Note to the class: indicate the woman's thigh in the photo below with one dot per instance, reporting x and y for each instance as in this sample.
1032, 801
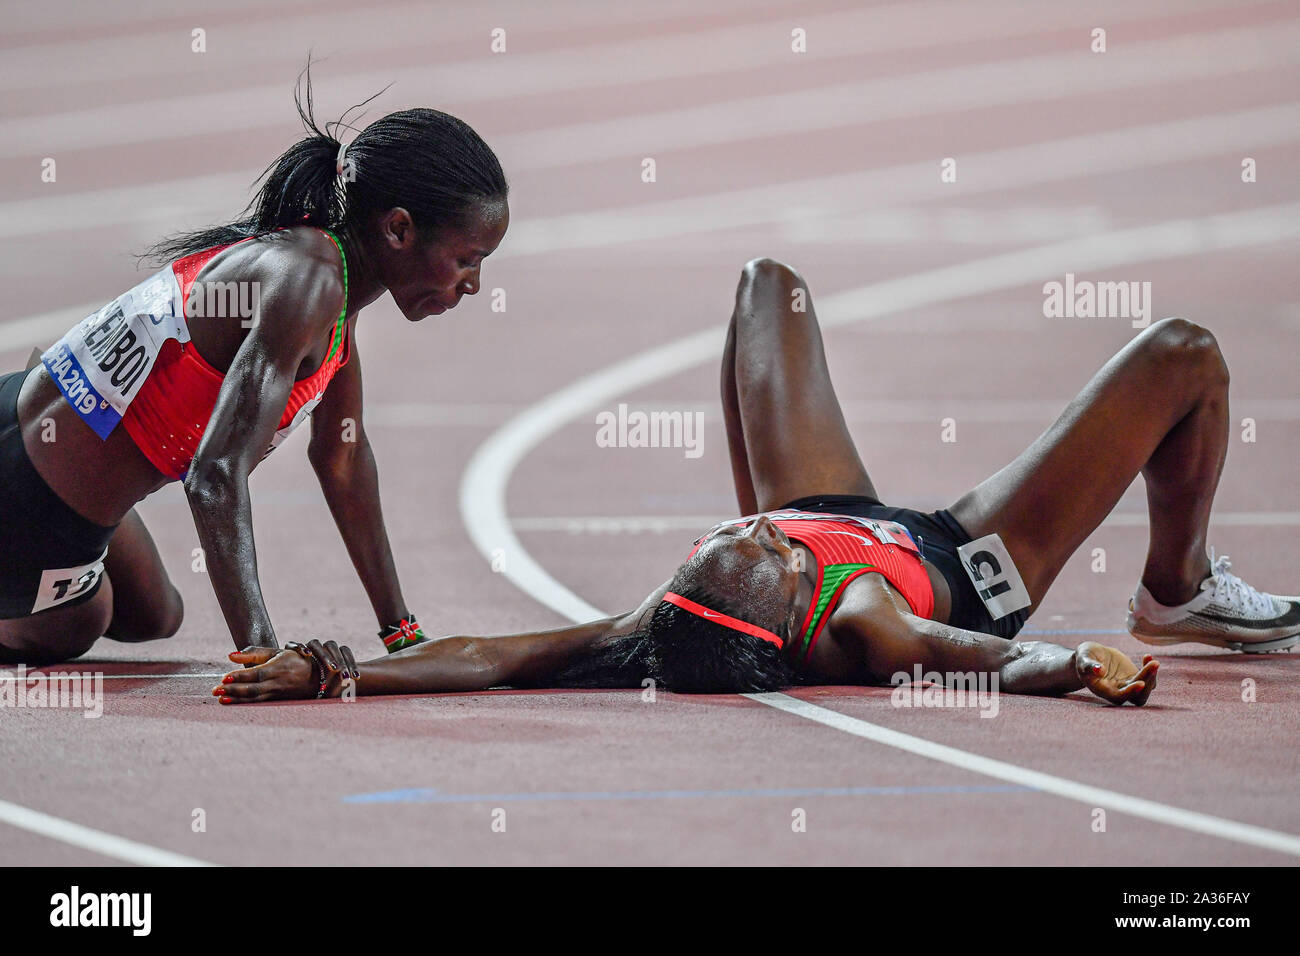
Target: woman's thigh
796, 440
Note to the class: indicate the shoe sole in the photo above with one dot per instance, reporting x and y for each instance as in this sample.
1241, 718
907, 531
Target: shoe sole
1251, 647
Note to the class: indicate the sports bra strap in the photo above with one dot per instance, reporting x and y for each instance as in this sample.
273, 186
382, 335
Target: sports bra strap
340, 326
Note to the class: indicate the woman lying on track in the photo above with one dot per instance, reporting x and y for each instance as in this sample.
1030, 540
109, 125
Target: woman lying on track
824, 584
171, 382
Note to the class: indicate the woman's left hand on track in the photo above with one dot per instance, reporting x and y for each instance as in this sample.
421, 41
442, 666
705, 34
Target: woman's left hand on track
1114, 678
289, 674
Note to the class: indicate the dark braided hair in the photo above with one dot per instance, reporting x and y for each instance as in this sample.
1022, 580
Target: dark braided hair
430, 163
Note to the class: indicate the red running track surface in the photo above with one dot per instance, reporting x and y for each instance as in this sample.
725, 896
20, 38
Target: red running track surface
827, 159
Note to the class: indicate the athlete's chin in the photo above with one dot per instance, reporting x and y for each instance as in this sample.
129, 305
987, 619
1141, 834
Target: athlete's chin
421, 311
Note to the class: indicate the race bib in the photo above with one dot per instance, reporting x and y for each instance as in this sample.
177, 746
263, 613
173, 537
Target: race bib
63, 584
100, 364
989, 566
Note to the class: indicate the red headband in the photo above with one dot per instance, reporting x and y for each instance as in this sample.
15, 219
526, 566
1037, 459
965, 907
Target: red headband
717, 617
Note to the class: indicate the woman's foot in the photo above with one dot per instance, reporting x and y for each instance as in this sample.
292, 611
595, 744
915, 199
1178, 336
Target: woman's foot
1227, 612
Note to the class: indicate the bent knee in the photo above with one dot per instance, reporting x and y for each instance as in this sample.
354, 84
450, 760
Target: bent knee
154, 623
174, 615
167, 619
764, 271
1180, 337
1181, 342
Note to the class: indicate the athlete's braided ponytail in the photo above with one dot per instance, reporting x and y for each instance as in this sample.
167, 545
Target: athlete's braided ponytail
430, 163
301, 187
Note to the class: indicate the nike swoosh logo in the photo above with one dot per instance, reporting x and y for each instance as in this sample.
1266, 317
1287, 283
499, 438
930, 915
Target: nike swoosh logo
1291, 617
867, 541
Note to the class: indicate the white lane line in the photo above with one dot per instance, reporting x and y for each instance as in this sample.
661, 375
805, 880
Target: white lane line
1046, 782
890, 411
163, 203
803, 200
247, 46
1065, 77
1006, 170
485, 479
741, 46
663, 524
28, 18
88, 838
798, 204
8, 677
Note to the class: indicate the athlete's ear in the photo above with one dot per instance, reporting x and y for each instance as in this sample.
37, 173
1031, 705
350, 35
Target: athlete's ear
398, 229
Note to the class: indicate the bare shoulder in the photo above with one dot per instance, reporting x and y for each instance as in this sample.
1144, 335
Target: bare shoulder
298, 274
868, 597
304, 266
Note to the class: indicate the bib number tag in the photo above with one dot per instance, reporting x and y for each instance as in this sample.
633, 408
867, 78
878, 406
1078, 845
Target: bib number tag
63, 584
302, 415
100, 363
890, 532
989, 566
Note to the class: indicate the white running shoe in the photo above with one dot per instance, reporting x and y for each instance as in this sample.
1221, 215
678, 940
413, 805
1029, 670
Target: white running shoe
1227, 612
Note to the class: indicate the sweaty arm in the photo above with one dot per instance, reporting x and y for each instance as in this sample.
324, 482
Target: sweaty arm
890, 639
442, 666
345, 466
294, 315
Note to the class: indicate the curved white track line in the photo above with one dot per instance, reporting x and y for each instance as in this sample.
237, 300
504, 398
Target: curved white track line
105, 844
483, 485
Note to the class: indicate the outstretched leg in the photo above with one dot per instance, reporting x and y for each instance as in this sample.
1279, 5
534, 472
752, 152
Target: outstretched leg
1159, 408
785, 430
135, 602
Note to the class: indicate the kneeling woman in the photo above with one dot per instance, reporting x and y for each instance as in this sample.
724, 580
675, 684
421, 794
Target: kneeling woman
161, 385
822, 583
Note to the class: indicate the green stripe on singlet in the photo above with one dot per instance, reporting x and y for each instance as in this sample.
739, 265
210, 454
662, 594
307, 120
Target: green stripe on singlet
833, 576
340, 327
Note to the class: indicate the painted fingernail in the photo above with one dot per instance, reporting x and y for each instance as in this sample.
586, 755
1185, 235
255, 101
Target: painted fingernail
225, 700
228, 679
